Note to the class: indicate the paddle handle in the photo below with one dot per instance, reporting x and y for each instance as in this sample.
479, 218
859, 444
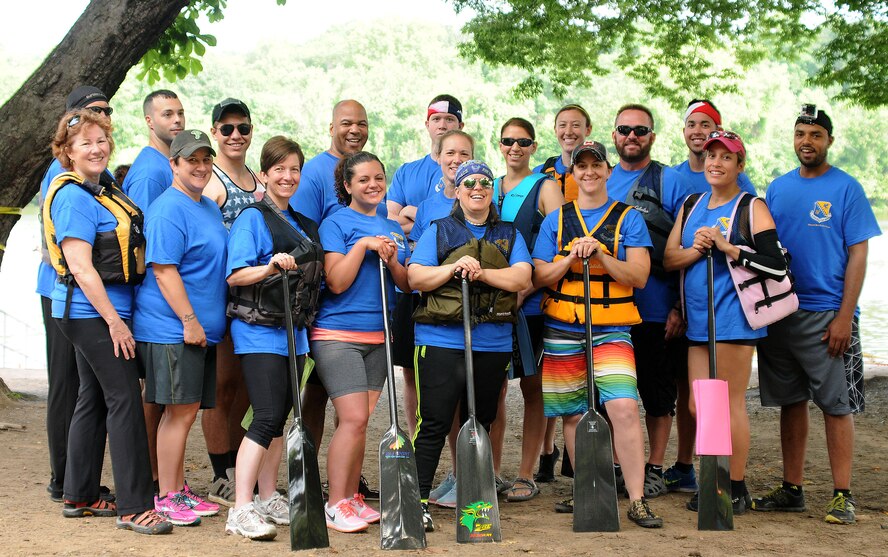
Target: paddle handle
386, 326
291, 343
590, 364
711, 312
467, 331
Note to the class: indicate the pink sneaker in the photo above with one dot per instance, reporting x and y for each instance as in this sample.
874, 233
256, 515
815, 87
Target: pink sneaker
197, 504
342, 518
363, 510
176, 510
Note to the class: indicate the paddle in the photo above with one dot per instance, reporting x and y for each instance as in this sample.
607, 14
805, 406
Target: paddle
399, 499
477, 510
715, 511
308, 525
595, 488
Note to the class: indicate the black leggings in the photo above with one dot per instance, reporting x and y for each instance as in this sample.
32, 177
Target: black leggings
271, 393
109, 395
440, 387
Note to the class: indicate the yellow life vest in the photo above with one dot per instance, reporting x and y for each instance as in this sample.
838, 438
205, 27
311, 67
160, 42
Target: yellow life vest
613, 304
568, 184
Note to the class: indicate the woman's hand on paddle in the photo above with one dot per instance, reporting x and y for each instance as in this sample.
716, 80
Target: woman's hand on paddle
383, 245
467, 267
707, 237
281, 262
122, 337
585, 248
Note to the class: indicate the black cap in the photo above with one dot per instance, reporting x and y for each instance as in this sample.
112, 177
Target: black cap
819, 119
229, 105
593, 147
189, 141
82, 96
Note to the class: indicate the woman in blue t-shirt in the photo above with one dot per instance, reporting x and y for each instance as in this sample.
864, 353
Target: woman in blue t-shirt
180, 315
707, 226
347, 339
472, 229
94, 315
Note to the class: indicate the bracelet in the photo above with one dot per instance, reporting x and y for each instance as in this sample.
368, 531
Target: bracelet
188, 317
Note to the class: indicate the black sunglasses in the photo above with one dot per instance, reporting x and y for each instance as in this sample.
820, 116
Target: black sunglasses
640, 131
470, 183
522, 142
106, 110
228, 129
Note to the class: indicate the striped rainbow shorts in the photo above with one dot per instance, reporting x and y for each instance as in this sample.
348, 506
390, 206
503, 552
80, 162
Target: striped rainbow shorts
564, 370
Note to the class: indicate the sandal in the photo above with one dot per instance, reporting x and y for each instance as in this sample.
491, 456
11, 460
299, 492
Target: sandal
147, 522
99, 507
522, 490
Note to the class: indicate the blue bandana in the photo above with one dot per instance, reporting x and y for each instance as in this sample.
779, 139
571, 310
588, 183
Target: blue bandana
472, 167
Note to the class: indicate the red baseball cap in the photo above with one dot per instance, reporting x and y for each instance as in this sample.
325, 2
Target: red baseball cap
730, 140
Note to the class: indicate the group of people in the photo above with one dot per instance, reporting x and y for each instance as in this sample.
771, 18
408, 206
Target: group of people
163, 296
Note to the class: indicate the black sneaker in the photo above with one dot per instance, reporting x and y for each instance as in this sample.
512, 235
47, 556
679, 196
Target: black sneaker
641, 514
427, 521
740, 504
546, 473
780, 499
567, 469
364, 489
841, 510
694, 502
105, 494
566, 506
56, 495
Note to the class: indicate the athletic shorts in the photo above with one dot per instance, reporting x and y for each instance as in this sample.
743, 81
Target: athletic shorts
535, 325
402, 329
564, 370
794, 365
349, 367
179, 373
659, 365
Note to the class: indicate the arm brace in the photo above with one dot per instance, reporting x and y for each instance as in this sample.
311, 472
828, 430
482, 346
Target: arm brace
769, 260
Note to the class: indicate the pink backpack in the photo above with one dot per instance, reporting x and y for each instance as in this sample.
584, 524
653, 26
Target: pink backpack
764, 300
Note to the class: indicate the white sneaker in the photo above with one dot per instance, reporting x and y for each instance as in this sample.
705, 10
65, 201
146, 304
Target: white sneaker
363, 510
276, 509
245, 521
342, 518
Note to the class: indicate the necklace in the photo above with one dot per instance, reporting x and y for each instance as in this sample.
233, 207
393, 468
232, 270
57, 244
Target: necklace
476, 223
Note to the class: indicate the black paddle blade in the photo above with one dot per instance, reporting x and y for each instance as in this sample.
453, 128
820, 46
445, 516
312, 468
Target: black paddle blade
477, 511
308, 525
399, 502
595, 488
715, 511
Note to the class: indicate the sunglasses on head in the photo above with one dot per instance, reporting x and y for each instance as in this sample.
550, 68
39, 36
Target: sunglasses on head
718, 134
640, 131
106, 110
73, 121
228, 129
470, 183
522, 142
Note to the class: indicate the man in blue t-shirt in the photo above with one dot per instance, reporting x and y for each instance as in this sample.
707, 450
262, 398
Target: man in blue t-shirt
825, 221
150, 174
659, 341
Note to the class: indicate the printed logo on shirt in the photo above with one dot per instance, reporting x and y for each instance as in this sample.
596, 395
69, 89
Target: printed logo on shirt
821, 211
723, 224
399, 240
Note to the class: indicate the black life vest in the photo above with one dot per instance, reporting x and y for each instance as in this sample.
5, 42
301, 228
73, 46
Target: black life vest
646, 195
493, 250
262, 303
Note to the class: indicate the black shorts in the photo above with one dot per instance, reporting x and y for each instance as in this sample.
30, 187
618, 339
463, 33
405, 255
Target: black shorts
659, 365
402, 329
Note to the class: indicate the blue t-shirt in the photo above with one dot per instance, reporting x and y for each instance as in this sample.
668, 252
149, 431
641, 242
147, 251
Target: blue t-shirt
76, 214
817, 220
189, 235
697, 183
435, 207
316, 196
486, 337
359, 308
415, 182
249, 245
633, 232
658, 297
730, 322
148, 177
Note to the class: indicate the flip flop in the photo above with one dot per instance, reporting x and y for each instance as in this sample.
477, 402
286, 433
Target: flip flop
514, 494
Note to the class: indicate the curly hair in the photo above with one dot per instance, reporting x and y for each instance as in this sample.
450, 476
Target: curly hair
345, 171
71, 124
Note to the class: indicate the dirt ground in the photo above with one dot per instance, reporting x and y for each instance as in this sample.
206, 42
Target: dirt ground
31, 524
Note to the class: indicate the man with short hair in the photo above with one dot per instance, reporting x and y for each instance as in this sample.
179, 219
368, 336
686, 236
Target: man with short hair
825, 221
150, 174
660, 346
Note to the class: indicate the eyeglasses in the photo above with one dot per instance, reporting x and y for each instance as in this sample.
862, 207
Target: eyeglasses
106, 110
470, 183
228, 129
718, 134
522, 142
640, 131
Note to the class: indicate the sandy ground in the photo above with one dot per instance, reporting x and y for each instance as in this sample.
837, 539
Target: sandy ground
30, 524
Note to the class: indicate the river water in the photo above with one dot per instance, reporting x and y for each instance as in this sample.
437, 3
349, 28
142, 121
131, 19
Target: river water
21, 326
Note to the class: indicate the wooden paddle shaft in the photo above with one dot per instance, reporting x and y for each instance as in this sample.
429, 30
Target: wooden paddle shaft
711, 313
291, 344
590, 364
467, 331
393, 404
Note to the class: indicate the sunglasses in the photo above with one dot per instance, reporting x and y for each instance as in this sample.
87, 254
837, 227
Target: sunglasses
523, 142
718, 134
470, 183
106, 110
73, 121
228, 129
640, 131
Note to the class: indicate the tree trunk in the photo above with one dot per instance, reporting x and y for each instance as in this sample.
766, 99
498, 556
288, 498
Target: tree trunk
103, 44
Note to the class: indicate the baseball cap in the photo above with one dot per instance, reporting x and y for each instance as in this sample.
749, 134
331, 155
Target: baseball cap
593, 147
228, 105
82, 96
189, 141
730, 140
